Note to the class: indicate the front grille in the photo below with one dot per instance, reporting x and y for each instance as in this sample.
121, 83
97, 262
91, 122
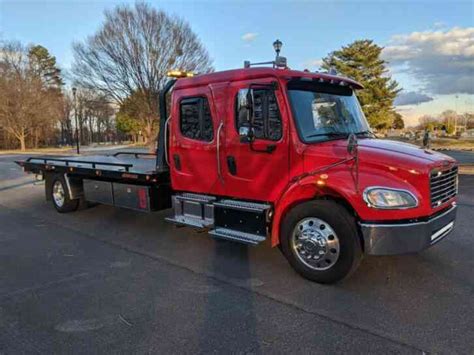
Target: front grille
443, 185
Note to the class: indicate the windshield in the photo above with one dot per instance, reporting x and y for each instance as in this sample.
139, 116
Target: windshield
324, 112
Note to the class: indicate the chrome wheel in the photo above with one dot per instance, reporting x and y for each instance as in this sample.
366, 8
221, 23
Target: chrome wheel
58, 193
315, 243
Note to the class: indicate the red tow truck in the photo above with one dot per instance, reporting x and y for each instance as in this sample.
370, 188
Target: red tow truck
270, 153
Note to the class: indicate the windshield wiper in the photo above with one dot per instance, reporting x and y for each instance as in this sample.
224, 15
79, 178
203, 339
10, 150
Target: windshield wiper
329, 134
366, 133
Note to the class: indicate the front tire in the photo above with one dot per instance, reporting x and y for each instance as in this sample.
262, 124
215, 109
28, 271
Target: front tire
320, 241
60, 197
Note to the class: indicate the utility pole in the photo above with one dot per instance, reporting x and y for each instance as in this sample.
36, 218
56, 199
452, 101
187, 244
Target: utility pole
456, 117
75, 119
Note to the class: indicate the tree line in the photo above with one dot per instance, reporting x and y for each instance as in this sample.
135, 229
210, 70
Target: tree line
37, 110
118, 72
448, 121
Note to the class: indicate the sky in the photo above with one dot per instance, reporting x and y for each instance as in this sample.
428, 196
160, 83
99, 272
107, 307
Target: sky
429, 44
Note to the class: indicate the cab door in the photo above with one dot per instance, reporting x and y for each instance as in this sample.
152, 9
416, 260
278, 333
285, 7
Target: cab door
192, 147
258, 170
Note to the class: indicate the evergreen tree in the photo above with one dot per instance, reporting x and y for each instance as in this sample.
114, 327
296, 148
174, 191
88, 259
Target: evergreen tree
134, 115
361, 61
44, 65
398, 122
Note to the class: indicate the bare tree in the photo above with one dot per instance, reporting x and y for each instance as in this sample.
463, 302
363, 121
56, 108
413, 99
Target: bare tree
27, 107
132, 52
94, 109
66, 120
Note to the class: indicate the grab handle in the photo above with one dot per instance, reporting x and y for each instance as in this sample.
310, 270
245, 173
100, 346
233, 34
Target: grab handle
218, 150
166, 140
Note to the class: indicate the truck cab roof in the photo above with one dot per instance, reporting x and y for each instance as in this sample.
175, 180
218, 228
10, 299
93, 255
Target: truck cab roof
262, 72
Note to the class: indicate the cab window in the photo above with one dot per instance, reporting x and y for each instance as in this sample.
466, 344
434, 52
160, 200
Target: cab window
267, 119
195, 119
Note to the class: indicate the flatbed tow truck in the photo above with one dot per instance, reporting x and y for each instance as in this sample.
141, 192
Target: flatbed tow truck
270, 153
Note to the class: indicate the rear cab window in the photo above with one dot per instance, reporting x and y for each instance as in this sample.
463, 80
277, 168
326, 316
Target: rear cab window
195, 120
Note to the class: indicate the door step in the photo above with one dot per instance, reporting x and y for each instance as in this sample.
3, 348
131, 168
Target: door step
237, 236
239, 221
192, 210
188, 196
242, 205
189, 221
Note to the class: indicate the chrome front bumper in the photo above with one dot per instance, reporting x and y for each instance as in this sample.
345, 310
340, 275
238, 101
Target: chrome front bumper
404, 238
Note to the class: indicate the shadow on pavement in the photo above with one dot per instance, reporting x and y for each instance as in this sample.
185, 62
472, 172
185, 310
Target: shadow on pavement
219, 308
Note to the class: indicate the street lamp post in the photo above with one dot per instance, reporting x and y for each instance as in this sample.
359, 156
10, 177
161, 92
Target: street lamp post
75, 119
277, 47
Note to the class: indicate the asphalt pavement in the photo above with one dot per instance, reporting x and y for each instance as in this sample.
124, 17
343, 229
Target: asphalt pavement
104, 279
464, 157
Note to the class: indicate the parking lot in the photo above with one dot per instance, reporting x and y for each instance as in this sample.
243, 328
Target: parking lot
111, 280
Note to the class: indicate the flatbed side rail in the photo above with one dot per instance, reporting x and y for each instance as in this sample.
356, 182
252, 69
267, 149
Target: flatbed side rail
135, 154
93, 170
74, 161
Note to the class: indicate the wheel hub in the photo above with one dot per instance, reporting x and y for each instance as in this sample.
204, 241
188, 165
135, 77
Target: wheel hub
314, 246
315, 243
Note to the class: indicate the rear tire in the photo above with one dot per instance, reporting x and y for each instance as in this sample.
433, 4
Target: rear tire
320, 241
60, 196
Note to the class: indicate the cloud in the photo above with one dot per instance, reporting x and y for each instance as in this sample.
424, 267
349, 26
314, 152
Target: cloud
411, 98
313, 63
442, 60
249, 37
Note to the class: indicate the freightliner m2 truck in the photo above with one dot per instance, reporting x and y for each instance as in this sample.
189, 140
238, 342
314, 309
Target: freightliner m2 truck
278, 155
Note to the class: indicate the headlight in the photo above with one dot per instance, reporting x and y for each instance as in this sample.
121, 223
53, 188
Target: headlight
387, 198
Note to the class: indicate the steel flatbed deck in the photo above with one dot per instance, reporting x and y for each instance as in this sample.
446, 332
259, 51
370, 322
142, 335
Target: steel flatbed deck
136, 167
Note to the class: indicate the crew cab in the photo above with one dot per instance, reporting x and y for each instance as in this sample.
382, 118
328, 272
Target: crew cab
278, 155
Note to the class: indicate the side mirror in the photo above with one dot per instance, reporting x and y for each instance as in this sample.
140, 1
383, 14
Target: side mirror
246, 134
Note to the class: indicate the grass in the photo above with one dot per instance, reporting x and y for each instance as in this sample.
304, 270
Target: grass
453, 143
69, 150
446, 143
61, 150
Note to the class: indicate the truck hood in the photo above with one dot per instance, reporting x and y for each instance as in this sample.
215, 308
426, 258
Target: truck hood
388, 147
378, 154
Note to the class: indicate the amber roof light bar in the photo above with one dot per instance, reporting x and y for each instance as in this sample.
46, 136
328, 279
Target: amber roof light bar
179, 74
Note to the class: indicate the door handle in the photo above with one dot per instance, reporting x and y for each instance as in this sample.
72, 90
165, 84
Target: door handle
231, 165
177, 161
269, 149
218, 150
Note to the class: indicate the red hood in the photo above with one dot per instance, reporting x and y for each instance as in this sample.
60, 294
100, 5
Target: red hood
378, 152
404, 150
